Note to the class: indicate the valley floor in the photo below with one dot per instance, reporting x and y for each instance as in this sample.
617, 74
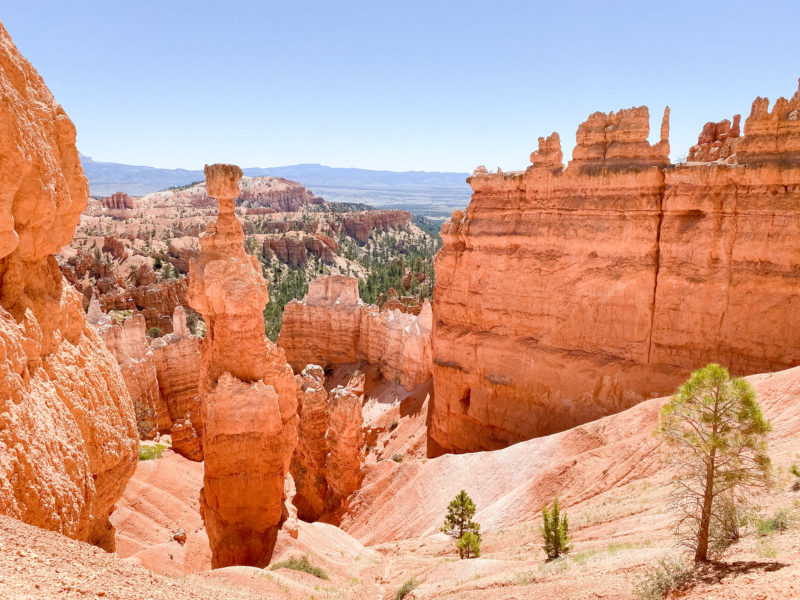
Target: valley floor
610, 475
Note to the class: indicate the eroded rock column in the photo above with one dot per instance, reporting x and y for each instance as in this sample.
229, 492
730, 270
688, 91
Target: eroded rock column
247, 390
328, 464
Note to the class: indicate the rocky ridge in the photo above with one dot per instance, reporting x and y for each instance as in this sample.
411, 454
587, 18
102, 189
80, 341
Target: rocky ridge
68, 441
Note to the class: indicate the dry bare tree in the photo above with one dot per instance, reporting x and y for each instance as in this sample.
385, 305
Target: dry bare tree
716, 433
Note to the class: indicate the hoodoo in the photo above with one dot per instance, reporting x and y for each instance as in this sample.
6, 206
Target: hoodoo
566, 294
247, 390
327, 465
68, 442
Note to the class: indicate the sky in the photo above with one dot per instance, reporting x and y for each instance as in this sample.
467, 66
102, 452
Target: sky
434, 85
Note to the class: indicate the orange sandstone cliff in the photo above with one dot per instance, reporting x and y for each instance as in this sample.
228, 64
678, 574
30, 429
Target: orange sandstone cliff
247, 391
566, 294
68, 442
332, 327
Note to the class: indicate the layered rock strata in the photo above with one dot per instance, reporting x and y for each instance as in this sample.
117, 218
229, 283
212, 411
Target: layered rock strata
156, 302
565, 294
332, 326
161, 376
176, 357
68, 442
360, 225
327, 465
129, 344
247, 391
118, 201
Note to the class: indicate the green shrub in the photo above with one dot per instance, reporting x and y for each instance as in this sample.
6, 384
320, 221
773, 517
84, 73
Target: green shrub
469, 544
768, 526
300, 563
150, 452
154, 332
396, 457
668, 575
555, 532
393, 426
405, 589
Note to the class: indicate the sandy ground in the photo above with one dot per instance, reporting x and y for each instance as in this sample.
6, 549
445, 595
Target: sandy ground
609, 474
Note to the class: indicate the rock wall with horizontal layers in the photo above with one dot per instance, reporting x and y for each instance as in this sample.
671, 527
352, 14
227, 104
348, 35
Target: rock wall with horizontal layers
176, 357
566, 294
360, 225
161, 375
332, 327
247, 391
156, 302
129, 344
327, 465
68, 442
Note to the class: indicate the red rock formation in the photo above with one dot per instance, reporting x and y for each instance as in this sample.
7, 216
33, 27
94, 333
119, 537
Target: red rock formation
289, 250
68, 441
180, 257
156, 302
308, 461
294, 251
144, 275
118, 201
129, 344
161, 377
258, 195
717, 141
563, 295
360, 225
247, 391
176, 357
327, 463
321, 246
332, 327
276, 193
728, 285
114, 247
345, 439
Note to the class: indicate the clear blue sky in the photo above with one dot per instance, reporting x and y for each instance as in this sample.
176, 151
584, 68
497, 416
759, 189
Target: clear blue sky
392, 85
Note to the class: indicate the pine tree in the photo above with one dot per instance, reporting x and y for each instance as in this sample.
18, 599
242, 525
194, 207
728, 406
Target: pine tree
717, 436
469, 544
458, 522
555, 531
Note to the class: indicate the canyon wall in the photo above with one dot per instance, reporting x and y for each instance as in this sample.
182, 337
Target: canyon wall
566, 294
332, 327
68, 442
247, 391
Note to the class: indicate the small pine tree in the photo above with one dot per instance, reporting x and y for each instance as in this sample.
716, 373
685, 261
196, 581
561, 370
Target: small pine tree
469, 544
458, 521
555, 531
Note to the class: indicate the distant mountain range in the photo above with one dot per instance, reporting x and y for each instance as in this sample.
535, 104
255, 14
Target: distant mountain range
432, 194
